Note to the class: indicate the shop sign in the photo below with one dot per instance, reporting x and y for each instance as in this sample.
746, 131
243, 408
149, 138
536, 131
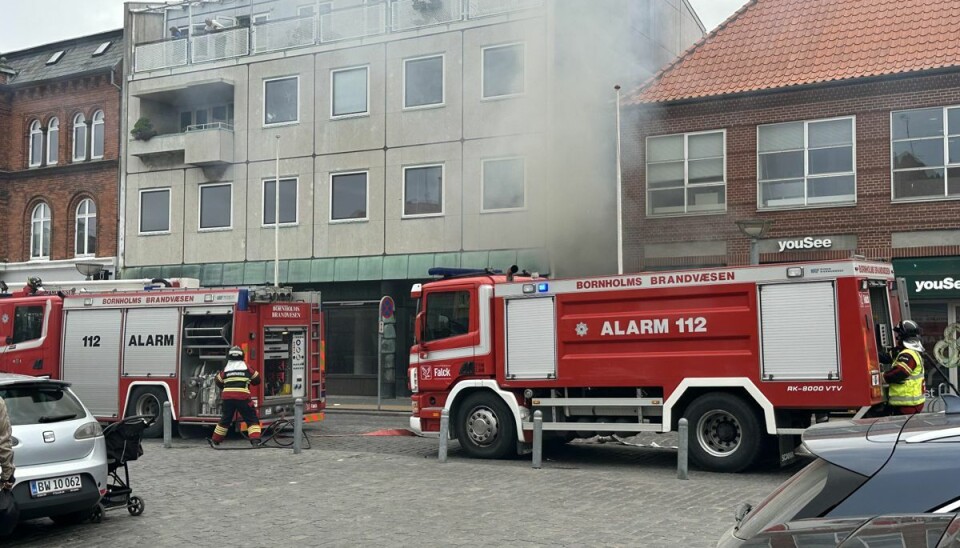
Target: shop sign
934, 287
802, 244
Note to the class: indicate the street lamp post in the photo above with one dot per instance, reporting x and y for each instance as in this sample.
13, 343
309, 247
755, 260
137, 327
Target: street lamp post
754, 229
276, 221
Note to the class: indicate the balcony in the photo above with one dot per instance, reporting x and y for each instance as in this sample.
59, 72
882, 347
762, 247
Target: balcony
201, 145
373, 19
160, 145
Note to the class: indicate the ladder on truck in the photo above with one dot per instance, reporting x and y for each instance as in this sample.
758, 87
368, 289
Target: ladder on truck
318, 390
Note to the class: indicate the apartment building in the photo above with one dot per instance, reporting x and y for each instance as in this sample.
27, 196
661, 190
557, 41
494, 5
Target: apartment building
59, 158
378, 139
840, 138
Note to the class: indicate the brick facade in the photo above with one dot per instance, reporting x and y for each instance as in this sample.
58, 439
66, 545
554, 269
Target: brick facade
64, 185
872, 220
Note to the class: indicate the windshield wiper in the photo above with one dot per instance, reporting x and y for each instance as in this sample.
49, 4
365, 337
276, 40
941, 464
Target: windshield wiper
56, 418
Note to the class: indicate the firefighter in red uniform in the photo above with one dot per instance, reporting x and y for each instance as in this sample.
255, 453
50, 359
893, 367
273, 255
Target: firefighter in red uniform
235, 379
906, 376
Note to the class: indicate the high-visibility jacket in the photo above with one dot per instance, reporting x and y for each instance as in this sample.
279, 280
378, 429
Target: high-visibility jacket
909, 392
235, 379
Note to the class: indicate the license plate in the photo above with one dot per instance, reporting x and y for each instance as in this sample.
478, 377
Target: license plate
55, 486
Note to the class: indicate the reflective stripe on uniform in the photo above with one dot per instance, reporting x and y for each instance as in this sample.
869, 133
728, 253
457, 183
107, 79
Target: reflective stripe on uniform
910, 391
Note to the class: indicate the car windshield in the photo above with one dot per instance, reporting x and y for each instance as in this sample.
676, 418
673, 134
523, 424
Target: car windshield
784, 503
33, 404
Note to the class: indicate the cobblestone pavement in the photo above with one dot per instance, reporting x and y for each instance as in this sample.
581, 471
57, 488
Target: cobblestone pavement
353, 490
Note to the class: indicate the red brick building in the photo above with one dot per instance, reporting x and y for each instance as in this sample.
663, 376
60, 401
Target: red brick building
59, 159
838, 123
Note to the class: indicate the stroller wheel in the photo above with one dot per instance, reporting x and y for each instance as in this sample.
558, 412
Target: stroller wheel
97, 515
135, 506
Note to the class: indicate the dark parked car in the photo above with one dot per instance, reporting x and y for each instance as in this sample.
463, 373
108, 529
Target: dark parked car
897, 531
868, 467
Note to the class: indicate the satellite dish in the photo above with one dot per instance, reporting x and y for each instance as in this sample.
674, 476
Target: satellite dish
89, 269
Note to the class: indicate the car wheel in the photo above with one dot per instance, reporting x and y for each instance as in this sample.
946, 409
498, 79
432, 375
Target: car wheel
485, 426
148, 401
135, 506
725, 434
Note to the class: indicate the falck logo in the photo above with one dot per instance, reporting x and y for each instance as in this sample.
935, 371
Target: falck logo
582, 329
426, 372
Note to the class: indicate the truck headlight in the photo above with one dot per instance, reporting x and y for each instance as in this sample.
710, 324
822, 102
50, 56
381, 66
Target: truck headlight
414, 379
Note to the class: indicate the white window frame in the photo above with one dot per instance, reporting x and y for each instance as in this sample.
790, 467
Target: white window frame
48, 219
333, 73
35, 129
443, 192
53, 126
443, 82
806, 167
312, 7
686, 175
93, 135
366, 194
73, 140
946, 159
85, 217
143, 191
259, 18
200, 227
483, 166
483, 52
263, 201
263, 101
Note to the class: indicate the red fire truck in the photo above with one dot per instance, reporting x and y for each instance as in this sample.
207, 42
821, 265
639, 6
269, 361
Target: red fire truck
746, 354
127, 346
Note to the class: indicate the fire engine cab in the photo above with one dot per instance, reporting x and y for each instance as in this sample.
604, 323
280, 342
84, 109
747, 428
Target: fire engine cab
127, 346
745, 354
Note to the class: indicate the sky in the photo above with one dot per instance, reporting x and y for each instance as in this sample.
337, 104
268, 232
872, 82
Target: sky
25, 24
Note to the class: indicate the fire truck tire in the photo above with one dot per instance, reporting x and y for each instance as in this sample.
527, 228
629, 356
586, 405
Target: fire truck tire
725, 433
485, 427
148, 401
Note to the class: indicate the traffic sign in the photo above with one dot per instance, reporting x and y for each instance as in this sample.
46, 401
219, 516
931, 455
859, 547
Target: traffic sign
387, 307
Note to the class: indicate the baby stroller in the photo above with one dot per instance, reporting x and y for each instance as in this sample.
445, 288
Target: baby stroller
123, 445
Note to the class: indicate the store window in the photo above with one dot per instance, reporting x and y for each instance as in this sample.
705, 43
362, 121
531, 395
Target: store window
805, 164
926, 153
685, 173
351, 340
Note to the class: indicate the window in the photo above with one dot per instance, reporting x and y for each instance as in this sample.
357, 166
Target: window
348, 196
307, 10
40, 404
55, 57
686, 173
422, 191
448, 315
154, 210
86, 235
79, 138
806, 163
423, 82
53, 141
40, 232
27, 324
97, 135
926, 153
36, 144
503, 182
101, 49
281, 98
288, 201
216, 206
349, 97
503, 71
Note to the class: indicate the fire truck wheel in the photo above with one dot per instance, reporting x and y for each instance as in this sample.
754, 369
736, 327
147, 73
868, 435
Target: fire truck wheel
148, 401
485, 427
725, 434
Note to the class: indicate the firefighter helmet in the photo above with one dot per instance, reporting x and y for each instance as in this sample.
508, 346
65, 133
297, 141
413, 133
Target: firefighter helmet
907, 329
235, 353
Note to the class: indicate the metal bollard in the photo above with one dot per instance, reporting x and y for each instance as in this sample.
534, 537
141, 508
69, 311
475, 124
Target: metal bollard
683, 442
297, 425
538, 439
167, 424
444, 434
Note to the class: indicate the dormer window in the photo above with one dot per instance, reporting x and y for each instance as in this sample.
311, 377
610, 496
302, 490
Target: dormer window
101, 49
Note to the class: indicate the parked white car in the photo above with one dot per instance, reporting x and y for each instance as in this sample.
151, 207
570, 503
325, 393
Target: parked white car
59, 450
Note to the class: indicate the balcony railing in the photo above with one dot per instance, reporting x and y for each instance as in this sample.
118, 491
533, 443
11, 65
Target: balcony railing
412, 14
222, 44
353, 23
285, 34
342, 24
159, 55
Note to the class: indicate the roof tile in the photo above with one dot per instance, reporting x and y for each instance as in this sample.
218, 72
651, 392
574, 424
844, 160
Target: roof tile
769, 44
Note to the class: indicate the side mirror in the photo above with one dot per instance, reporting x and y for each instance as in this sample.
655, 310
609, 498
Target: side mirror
418, 329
